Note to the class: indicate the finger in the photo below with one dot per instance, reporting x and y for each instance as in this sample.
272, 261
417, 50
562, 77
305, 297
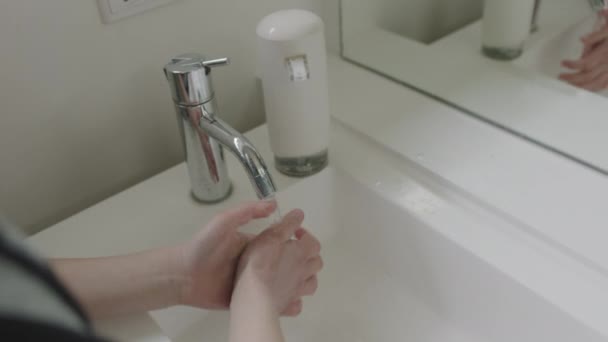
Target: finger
243, 239
588, 48
246, 238
299, 233
244, 213
309, 287
574, 64
581, 78
308, 243
313, 266
573, 79
285, 229
585, 79
605, 84
596, 57
294, 308
598, 84
595, 37
588, 84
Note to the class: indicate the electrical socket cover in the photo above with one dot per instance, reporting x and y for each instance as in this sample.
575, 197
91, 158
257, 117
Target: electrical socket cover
113, 10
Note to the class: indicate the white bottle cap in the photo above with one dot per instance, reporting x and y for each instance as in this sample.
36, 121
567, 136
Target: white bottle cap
289, 25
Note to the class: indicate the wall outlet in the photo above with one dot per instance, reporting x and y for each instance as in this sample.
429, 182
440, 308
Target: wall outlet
113, 10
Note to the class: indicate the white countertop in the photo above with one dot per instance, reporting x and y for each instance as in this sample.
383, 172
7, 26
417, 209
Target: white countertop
494, 188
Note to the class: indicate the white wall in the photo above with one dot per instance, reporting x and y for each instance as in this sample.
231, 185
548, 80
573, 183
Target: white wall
85, 109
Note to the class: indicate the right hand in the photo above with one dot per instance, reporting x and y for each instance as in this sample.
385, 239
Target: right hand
590, 71
281, 268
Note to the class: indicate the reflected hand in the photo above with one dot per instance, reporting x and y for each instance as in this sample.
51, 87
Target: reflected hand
591, 69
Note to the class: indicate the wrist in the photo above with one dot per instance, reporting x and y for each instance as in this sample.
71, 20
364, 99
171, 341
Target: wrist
250, 287
253, 316
179, 280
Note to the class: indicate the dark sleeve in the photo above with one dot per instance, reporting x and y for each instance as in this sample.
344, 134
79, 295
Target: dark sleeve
24, 329
14, 329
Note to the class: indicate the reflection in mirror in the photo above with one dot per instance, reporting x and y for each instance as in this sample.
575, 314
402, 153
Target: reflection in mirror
425, 21
578, 55
506, 25
537, 69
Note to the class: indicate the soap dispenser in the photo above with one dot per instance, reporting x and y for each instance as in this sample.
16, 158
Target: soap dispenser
292, 65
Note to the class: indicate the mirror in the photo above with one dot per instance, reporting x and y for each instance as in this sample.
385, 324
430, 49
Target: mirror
499, 61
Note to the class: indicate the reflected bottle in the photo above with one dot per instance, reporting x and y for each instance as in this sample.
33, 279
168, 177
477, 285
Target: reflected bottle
506, 26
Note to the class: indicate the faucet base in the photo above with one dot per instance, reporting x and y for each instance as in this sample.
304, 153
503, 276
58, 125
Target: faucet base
302, 166
203, 201
502, 54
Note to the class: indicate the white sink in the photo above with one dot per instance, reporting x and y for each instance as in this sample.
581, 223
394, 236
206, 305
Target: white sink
547, 55
389, 277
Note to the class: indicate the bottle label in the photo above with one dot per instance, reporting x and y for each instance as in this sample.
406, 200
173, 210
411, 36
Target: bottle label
298, 68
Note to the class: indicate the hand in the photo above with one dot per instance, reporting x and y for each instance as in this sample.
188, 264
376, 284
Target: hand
591, 70
279, 268
209, 261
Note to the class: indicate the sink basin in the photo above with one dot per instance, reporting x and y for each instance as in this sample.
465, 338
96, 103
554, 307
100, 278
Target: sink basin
546, 56
389, 277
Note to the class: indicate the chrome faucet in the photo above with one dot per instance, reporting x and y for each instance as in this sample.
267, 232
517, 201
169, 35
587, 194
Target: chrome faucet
534, 26
598, 5
204, 135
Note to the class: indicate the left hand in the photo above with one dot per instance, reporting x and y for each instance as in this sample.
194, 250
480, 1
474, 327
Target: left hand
208, 262
591, 70
280, 266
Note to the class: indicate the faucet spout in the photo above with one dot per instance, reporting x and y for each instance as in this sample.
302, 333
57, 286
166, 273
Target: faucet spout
598, 5
244, 151
534, 25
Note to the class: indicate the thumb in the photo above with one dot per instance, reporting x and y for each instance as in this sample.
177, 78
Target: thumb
289, 224
595, 37
243, 214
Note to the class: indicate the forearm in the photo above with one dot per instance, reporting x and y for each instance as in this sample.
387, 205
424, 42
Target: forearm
123, 285
253, 317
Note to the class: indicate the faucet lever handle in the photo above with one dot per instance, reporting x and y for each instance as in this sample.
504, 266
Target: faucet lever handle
216, 62
190, 79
